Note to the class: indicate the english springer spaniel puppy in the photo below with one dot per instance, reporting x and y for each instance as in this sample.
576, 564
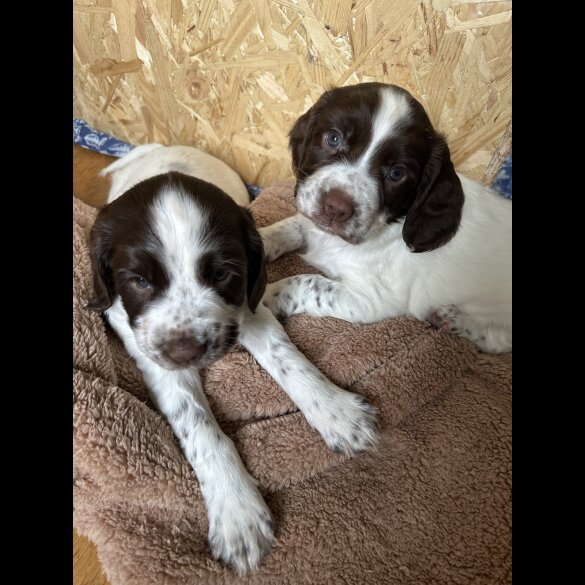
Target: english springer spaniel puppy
394, 229
179, 271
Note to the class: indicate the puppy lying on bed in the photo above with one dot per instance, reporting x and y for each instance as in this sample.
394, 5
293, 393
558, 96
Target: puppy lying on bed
392, 226
179, 272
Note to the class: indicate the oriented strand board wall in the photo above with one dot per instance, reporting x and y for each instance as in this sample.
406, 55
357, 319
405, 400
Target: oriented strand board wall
231, 76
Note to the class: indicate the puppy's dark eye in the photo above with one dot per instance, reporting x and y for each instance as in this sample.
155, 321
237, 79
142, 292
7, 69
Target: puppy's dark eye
395, 174
141, 282
220, 274
333, 138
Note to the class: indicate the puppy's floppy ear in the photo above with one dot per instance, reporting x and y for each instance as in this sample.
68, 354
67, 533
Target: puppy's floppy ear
298, 138
256, 261
435, 214
100, 252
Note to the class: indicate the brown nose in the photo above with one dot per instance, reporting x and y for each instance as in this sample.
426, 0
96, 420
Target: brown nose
337, 205
184, 350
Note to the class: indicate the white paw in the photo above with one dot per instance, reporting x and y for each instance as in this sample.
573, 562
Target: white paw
272, 249
347, 422
278, 299
446, 318
240, 532
490, 339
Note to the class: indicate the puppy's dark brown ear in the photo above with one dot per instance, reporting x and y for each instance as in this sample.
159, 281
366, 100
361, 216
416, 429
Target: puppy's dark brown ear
256, 261
100, 253
435, 214
298, 138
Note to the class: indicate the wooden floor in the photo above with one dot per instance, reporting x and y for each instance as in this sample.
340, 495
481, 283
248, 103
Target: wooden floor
91, 189
86, 567
87, 184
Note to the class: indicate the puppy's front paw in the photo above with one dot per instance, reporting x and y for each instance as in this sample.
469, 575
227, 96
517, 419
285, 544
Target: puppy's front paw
446, 318
347, 422
271, 242
241, 533
279, 300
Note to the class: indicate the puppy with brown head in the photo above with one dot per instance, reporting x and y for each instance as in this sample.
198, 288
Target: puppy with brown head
179, 272
392, 226
184, 259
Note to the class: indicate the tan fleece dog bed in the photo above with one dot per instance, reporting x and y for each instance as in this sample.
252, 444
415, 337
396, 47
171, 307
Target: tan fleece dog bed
432, 505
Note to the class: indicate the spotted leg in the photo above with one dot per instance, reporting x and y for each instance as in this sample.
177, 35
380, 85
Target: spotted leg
319, 296
240, 526
346, 421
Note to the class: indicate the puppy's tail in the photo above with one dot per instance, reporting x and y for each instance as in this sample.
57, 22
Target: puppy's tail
133, 155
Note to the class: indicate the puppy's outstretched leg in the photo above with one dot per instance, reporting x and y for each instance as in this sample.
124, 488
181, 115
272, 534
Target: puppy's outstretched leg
240, 526
346, 421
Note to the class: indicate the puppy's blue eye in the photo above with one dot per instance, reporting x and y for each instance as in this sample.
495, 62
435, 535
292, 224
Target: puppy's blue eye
141, 282
395, 174
220, 274
333, 138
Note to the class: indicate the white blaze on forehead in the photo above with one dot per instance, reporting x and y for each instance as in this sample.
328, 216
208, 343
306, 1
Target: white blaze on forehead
392, 110
188, 307
181, 227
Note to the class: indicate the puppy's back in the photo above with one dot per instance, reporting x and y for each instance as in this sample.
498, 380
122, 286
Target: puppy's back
149, 160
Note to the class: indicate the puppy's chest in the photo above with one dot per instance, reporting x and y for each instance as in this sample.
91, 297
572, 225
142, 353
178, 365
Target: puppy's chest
376, 264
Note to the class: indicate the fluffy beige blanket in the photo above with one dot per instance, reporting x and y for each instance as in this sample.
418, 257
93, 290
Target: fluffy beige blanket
431, 506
